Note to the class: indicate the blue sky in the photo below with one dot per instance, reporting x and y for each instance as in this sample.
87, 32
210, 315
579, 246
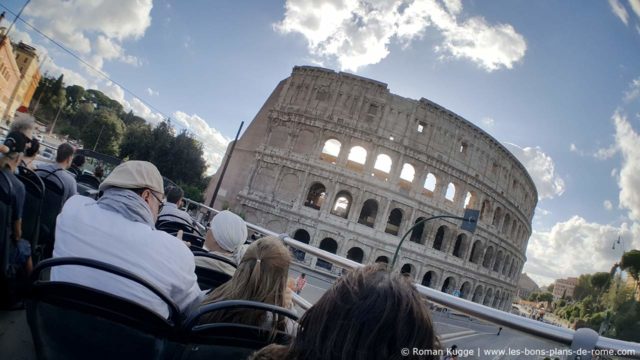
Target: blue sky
558, 82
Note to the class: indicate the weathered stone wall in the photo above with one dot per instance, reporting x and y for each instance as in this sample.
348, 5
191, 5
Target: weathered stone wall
287, 175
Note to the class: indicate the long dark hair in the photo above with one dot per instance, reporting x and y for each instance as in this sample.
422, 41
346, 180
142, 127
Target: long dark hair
368, 314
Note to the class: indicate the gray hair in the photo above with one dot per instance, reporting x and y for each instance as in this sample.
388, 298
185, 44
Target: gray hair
23, 125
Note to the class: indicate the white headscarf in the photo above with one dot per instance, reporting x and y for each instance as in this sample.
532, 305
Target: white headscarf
229, 230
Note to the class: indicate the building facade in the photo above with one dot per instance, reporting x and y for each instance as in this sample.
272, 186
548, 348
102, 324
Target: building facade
338, 162
9, 74
27, 61
526, 286
564, 288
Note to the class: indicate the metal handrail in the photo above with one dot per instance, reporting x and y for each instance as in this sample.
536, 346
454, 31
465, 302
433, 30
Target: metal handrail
529, 326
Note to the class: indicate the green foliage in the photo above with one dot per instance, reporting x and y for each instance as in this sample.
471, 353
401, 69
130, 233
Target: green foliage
631, 263
600, 281
550, 288
547, 297
104, 132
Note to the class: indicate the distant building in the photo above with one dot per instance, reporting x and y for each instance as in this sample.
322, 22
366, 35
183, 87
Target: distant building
526, 286
27, 61
9, 74
564, 288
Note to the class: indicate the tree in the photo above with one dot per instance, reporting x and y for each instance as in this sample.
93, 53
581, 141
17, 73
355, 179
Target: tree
75, 93
104, 132
546, 297
631, 263
600, 281
550, 288
533, 296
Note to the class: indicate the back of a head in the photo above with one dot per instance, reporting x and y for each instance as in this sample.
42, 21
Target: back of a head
33, 149
261, 276
174, 194
367, 314
78, 160
229, 230
65, 151
23, 125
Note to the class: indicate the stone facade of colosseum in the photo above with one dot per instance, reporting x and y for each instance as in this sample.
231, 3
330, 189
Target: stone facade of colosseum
337, 161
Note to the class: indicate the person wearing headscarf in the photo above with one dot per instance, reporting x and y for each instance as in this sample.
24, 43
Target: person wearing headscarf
226, 236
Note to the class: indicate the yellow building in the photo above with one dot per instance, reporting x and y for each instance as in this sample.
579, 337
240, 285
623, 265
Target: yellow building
27, 61
634, 286
9, 74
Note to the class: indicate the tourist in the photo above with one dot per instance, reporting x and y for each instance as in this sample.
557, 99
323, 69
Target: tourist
261, 276
20, 263
225, 236
369, 313
30, 154
63, 161
98, 172
76, 165
301, 282
119, 229
171, 209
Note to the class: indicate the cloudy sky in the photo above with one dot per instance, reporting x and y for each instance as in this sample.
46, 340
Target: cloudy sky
557, 82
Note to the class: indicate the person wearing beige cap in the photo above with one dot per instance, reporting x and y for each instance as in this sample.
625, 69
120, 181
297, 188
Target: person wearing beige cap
226, 235
119, 229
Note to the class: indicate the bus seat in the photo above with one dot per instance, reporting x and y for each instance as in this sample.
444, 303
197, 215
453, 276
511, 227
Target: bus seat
6, 189
228, 341
209, 278
51, 207
72, 321
34, 198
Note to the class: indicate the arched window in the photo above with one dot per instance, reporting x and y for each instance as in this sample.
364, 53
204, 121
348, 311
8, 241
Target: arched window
476, 252
514, 227
496, 299
507, 263
465, 290
439, 240
382, 259
429, 279
356, 158
416, 234
302, 236
460, 246
406, 269
449, 285
356, 254
497, 217
408, 173
451, 192
315, 196
342, 204
430, 182
485, 209
496, 265
488, 256
506, 224
393, 223
331, 150
470, 200
329, 245
487, 297
368, 213
382, 167
477, 295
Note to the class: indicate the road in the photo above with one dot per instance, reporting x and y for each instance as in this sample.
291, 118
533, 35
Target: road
477, 339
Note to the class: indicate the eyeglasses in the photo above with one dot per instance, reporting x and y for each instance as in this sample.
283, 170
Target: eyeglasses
160, 201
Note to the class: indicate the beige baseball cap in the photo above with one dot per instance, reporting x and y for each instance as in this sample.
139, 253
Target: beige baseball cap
135, 174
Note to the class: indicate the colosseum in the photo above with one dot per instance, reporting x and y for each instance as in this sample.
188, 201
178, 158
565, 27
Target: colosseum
338, 162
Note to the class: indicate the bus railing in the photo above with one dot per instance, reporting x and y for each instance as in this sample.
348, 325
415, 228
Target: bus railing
581, 338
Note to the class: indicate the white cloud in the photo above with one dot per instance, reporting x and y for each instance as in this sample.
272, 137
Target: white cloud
115, 92
607, 205
215, 144
542, 212
619, 11
358, 33
488, 122
553, 254
542, 170
634, 90
574, 149
142, 110
635, 6
606, 153
95, 29
152, 92
628, 142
